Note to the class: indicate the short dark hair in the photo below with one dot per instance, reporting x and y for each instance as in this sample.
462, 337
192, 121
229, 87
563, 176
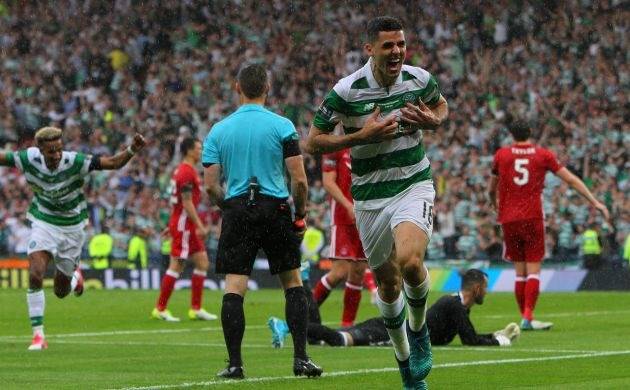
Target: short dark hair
252, 79
471, 277
382, 23
520, 130
187, 144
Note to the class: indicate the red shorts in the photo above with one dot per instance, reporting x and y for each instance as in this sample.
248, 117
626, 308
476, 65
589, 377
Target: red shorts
345, 243
185, 242
524, 241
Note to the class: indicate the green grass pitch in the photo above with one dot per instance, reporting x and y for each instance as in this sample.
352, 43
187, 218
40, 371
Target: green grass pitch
105, 340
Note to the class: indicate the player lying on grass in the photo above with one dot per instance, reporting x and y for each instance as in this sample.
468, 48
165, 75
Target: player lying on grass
448, 317
58, 214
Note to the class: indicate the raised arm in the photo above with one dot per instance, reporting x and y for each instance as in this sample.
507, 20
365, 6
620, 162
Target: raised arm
120, 159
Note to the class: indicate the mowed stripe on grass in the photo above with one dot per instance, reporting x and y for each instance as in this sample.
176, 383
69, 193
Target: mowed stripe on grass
379, 370
218, 328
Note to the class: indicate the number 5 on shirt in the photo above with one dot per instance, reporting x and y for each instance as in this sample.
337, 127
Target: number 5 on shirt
520, 166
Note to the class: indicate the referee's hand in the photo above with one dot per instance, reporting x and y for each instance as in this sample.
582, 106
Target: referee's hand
299, 227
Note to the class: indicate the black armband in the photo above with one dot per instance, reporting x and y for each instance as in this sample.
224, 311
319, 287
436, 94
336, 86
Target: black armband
207, 165
95, 163
290, 148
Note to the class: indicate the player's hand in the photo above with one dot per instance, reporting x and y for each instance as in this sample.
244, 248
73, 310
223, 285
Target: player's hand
350, 211
512, 331
138, 143
603, 210
503, 340
377, 129
420, 116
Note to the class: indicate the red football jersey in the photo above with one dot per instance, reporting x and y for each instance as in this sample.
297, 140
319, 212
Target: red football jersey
521, 172
184, 177
339, 162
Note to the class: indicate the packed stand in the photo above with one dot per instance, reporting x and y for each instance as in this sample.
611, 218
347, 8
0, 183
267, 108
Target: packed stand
103, 70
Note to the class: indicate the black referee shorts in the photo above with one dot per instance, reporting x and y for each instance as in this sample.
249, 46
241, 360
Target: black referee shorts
246, 229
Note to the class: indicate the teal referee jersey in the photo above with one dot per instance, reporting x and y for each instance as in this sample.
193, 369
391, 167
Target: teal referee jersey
249, 143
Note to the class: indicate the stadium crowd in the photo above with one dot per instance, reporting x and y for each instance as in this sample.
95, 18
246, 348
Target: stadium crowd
104, 70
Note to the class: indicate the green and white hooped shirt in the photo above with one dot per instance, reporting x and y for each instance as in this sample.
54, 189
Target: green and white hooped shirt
382, 170
58, 195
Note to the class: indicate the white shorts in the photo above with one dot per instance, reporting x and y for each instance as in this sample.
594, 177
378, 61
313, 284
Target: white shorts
376, 227
64, 245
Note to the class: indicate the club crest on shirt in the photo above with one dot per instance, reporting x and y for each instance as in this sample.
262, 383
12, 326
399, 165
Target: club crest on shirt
409, 97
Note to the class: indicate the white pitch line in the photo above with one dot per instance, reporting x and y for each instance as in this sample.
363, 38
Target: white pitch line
132, 332
465, 348
218, 328
222, 345
129, 332
567, 314
378, 370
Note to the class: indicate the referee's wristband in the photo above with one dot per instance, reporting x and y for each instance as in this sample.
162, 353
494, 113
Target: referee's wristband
299, 224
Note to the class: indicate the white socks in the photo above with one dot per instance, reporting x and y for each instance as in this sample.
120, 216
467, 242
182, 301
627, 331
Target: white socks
74, 280
36, 302
394, 318
417, 301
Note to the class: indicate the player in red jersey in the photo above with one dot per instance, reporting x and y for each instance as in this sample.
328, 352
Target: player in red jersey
349, 261
518, 180
187, 232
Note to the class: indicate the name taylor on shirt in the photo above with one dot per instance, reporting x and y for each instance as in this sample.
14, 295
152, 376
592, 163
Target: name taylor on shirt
523, 151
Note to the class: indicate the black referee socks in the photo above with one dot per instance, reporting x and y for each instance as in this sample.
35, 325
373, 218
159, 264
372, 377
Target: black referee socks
296, 313
233, 322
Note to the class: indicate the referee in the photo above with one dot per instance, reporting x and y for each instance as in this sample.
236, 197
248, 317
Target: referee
251, 149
